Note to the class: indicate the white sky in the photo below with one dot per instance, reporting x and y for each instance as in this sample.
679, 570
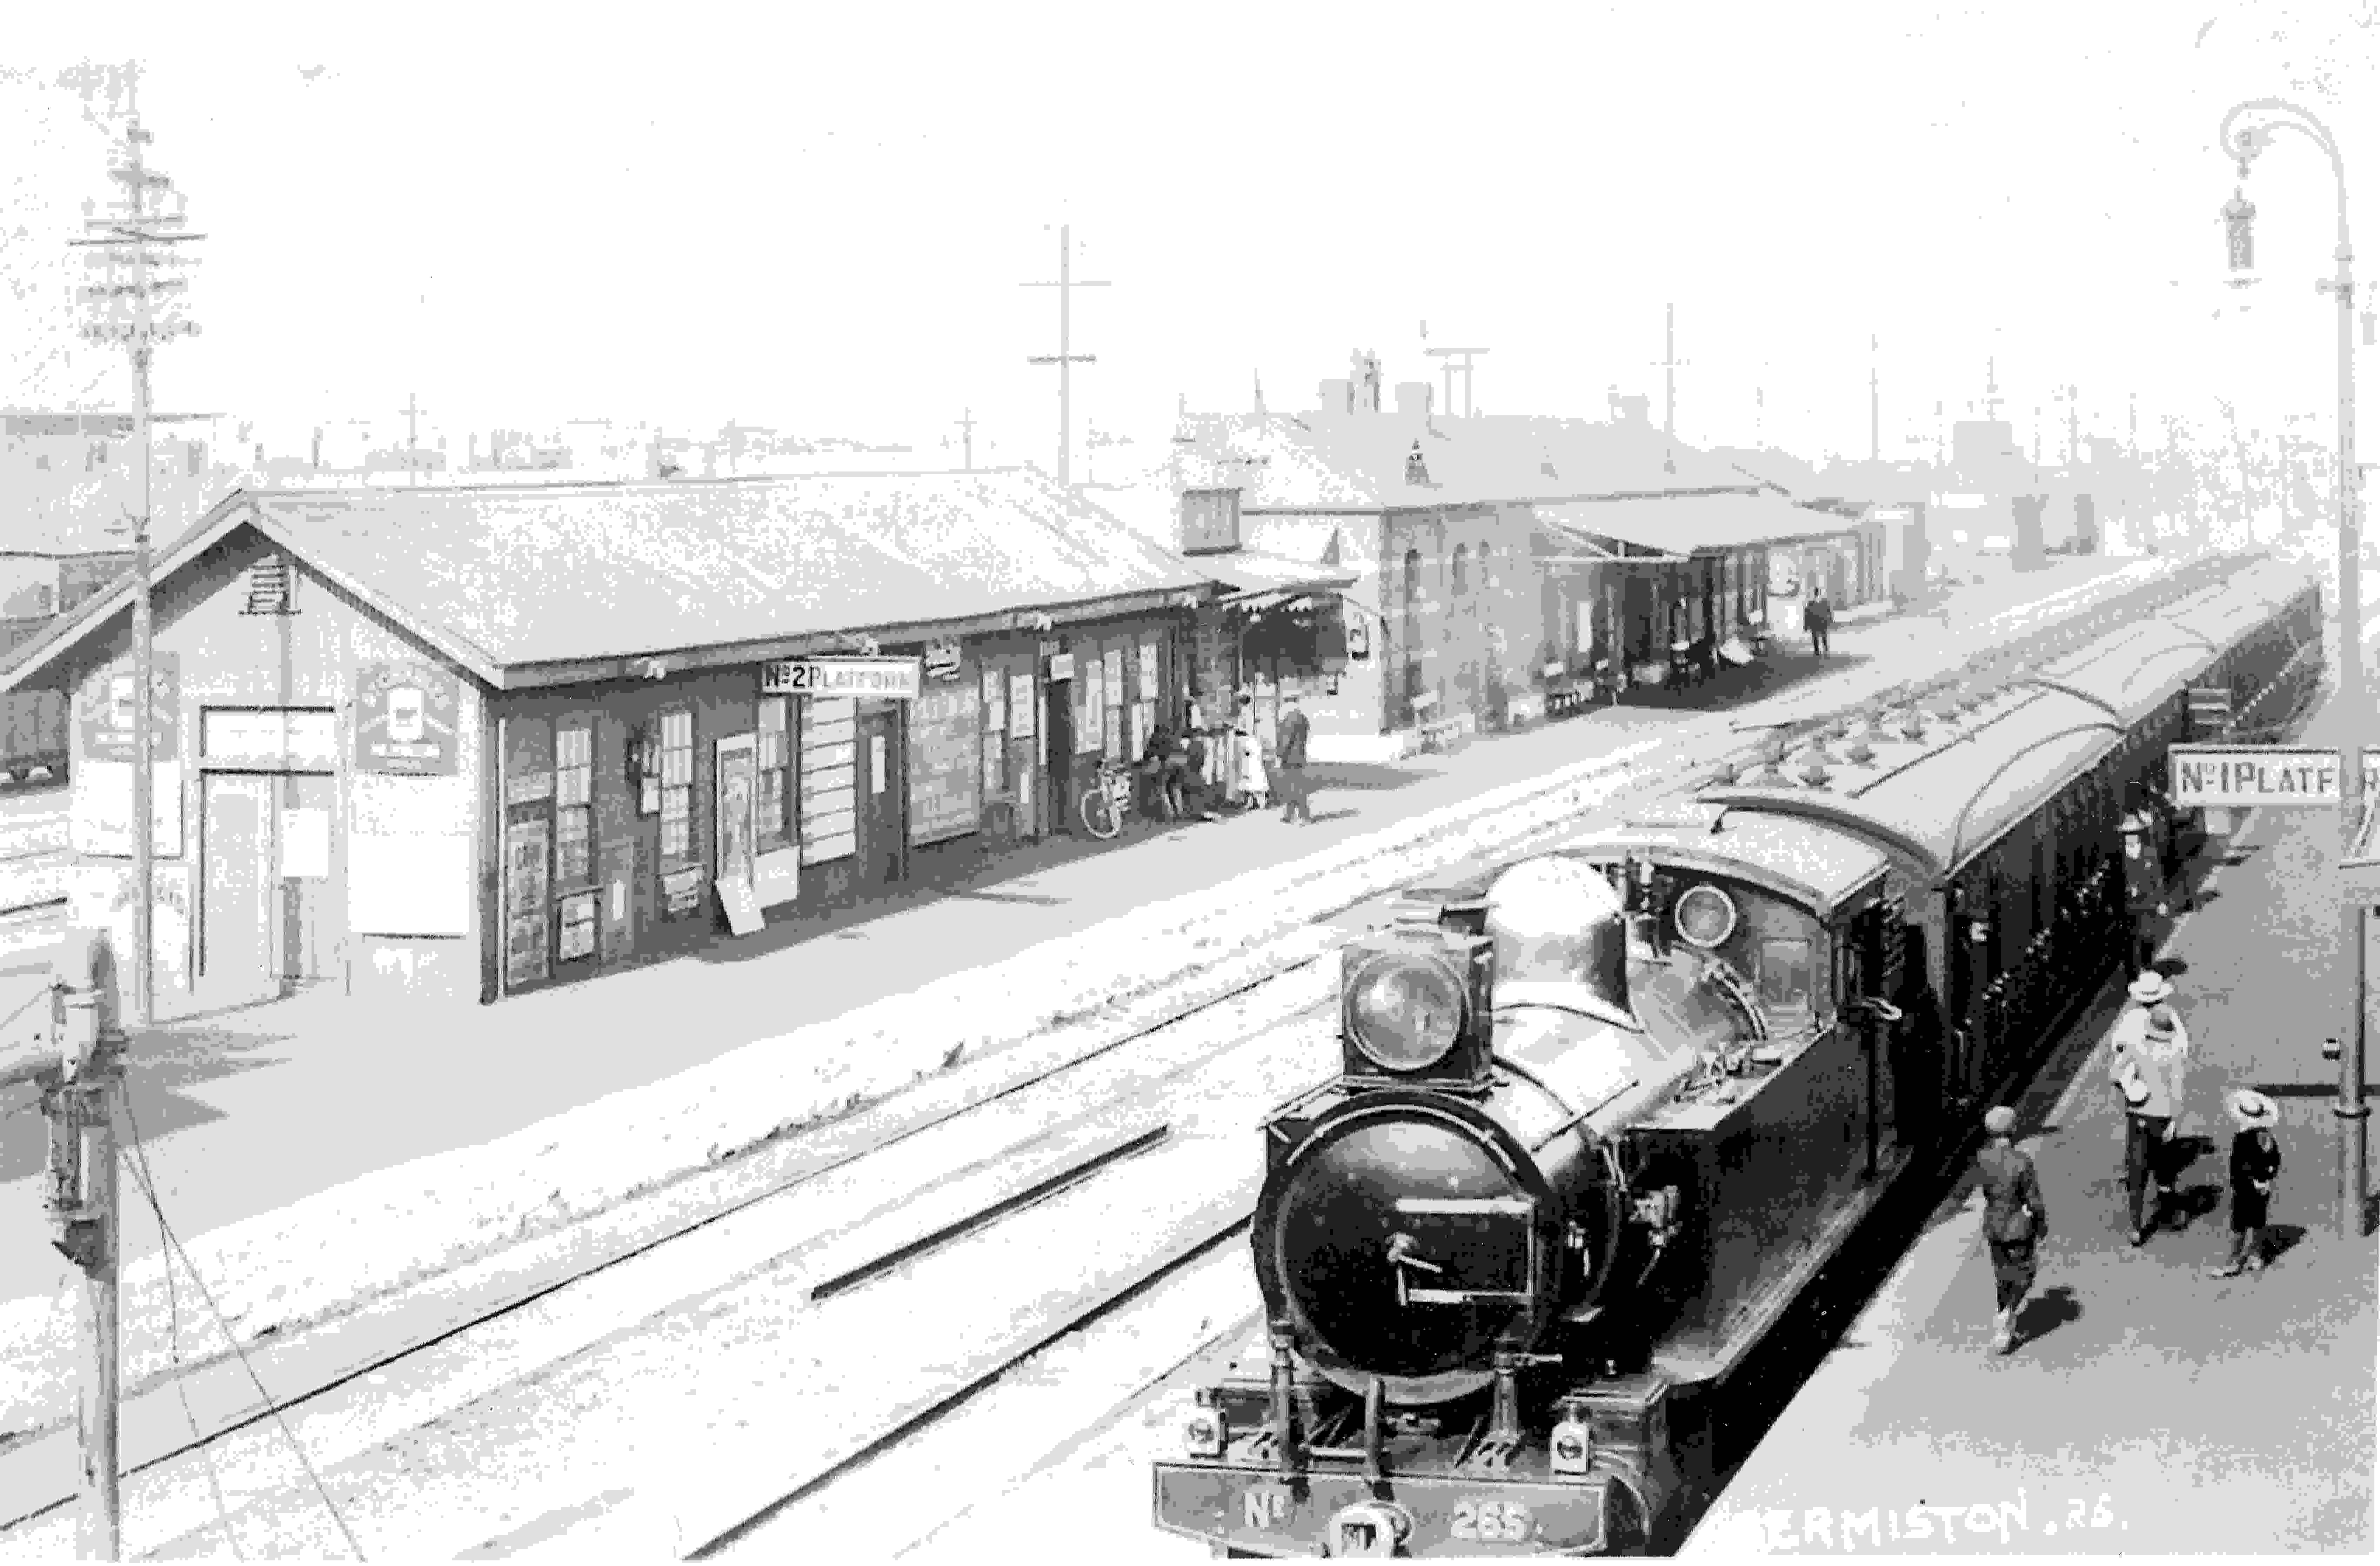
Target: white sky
816, 217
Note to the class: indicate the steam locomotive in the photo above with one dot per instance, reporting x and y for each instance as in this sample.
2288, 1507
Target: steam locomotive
1603, 1115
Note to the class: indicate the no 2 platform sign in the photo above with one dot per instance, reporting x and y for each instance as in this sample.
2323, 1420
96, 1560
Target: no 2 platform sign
897, 679
2248, 775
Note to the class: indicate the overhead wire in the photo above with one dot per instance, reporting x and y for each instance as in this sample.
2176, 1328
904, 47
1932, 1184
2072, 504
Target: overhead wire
138, 1165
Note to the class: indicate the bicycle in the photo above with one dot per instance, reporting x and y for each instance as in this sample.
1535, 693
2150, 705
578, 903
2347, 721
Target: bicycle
1105, 803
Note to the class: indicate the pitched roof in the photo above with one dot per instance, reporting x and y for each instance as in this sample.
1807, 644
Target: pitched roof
505, 577
1358, 461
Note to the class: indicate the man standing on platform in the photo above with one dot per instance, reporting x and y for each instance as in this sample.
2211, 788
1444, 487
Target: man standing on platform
2144, 887
1818, 617
2014, 1218
1288, 762
2145, 1077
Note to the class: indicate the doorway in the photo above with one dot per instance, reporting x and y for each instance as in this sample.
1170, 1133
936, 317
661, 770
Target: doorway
877, 766
239, 905
1058, 723
735, 787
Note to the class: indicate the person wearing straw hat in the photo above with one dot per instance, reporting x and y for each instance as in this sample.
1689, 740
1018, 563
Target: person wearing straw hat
2139, 1076
2255, 1164
2014, 1218
2144, 994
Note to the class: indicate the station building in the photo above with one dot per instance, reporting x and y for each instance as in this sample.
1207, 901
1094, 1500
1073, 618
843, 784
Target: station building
463, 742
1487, 556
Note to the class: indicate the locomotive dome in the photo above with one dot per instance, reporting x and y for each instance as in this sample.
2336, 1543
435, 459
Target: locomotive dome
1561, 937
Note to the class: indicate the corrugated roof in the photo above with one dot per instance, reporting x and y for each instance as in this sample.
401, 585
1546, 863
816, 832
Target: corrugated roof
519, 575
1358, 461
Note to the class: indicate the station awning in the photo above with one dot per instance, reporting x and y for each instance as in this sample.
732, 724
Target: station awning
1676, 529
1254, 577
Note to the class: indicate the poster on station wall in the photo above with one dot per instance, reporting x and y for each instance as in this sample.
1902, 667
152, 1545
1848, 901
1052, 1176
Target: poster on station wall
1022, 708
406, 715
945, 761
1091, 710
103, 711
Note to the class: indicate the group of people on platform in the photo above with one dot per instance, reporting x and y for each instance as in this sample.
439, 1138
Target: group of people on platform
2149, 1062
1197, 771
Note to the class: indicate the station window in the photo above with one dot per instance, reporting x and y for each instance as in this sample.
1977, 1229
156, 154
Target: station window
677, 786
574, 801
772, 821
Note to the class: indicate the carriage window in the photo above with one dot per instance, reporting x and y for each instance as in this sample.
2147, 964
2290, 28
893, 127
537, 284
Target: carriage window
1785, 975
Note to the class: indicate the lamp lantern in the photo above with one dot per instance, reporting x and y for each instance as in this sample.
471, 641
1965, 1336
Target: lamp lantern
2239, 218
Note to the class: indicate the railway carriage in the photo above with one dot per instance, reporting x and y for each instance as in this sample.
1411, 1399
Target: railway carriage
1604, 1115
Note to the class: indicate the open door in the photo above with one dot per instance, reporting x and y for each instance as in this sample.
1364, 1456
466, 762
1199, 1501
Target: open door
734, 878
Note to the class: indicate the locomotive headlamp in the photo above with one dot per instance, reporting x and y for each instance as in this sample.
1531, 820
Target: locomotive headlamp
1417, 1002
1706, 916
1406, 1014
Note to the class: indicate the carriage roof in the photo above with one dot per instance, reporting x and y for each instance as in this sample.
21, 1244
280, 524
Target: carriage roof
1943, 798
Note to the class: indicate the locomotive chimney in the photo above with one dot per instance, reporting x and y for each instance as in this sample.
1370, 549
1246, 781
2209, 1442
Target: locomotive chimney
1562, 938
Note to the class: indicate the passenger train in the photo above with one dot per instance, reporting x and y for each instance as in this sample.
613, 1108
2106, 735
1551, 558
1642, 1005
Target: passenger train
1603, 1115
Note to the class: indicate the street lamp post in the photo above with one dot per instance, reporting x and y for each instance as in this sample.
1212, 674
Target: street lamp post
2242, 144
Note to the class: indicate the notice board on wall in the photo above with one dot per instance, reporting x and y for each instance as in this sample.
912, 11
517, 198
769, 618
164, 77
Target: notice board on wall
945, 750
829, 806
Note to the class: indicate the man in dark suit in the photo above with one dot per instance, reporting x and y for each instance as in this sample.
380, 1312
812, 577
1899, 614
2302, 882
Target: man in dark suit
1818, 617
1288, 762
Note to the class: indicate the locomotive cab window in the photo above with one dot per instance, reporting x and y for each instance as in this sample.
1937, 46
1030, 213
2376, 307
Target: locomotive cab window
1786, 974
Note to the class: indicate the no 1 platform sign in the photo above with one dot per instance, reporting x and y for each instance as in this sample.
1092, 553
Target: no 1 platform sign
2246, 776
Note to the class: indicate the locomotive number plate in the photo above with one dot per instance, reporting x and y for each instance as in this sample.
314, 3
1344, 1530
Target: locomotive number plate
1488, 1522
1264, 1506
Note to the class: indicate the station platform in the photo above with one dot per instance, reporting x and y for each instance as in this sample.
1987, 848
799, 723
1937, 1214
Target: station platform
2148, 1407
242, 1112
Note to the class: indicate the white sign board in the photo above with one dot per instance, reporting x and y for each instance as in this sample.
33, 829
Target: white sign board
894, 679
2238, 775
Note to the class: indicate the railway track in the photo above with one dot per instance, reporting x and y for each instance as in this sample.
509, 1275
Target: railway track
975, 1185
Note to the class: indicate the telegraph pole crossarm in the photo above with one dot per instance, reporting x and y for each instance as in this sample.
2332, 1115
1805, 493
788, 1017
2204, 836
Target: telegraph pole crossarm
2243, 145
1451, 368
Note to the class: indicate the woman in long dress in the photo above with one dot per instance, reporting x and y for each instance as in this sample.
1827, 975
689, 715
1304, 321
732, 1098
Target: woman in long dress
1253, 784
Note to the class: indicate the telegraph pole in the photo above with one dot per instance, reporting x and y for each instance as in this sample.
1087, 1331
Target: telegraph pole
412, 411
1875, 407
2074, 424
128, 315
1065, 358
966, 426
72, 1048
1670, 365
